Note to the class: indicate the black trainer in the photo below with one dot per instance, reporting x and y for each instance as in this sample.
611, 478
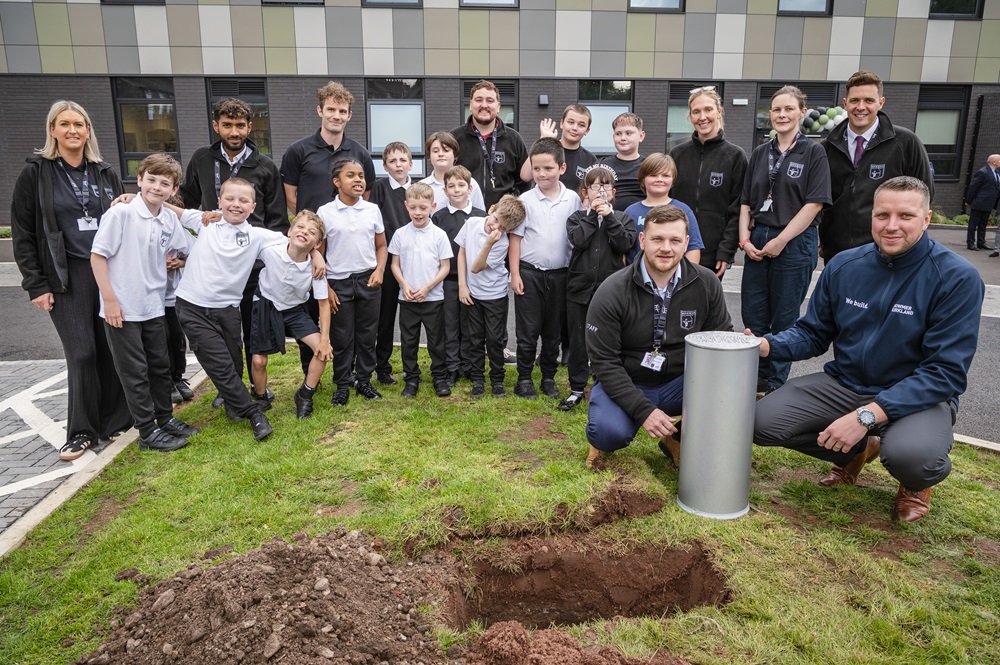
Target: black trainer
161, 441
410, 389
571, 401
525, 389
442, 388
341, 396
498, 389
303, 404
76, 447
453, 378
218, 401
261, 426
184, 388
549, 388
175, 395
368, 391
478, 389
264, 400
385, 378
179, 428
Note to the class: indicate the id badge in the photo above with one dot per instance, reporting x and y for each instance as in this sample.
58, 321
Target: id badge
87, 223
653, 360
767, 205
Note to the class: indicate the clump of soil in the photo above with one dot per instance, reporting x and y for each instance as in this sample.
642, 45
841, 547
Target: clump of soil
334, 599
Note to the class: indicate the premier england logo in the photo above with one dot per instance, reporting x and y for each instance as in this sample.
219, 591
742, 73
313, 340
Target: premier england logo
795, 169
242, 239
877, 172
499, 157
688, 318
715, 179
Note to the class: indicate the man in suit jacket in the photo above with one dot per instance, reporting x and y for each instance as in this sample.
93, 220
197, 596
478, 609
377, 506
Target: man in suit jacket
982, 197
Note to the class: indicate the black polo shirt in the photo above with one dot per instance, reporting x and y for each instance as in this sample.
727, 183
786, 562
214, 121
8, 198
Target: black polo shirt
803, 177
307, 164
68, 208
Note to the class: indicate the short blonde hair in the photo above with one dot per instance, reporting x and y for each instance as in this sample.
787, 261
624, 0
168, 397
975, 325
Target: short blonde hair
509, 211
310, 218
420, 190
238, 182
51, 148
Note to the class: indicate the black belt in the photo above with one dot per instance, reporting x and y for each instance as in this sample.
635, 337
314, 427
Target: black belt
528, 266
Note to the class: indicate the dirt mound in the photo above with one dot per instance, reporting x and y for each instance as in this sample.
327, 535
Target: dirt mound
508, 643
332, 600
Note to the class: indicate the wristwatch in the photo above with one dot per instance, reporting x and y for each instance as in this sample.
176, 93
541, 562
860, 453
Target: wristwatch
866, 417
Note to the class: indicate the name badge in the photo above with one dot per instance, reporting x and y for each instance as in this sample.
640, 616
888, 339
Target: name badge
653, 360
87, 223
767, 205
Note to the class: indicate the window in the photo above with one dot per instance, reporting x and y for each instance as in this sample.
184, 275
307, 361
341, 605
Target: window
606, 101
396, 113
254, 93
292, 2
956, 9
508, 100
803, 6
133, 2
941, 113
495, 4
679, 127
819, 97
391, 3
656, 5
145, 120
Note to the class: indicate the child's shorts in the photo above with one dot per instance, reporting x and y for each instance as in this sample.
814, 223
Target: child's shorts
269, 327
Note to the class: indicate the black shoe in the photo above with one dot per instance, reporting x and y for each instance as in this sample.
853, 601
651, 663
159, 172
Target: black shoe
261, 426
478, 389
525, 389
340, 396
184, 388
410, 389
218, 401
509, 357
232, 415
499, 390
442, 388
161, 441
386, 379
972, 248
263, 400
175, 395
354, 381
303, 404
368, 391
994, 255
453, 378
571, 401
549, 388
75, 447
179, 428
982, 245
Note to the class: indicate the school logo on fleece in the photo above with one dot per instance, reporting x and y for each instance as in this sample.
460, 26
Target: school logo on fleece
795, 169
109, 193
242, 238
688, 318
715, 179
499, 157
877, 172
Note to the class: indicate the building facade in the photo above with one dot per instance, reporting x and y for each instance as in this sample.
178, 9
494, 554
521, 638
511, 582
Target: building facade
148, 71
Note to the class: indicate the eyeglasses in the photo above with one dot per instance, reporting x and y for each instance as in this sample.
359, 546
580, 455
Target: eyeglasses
705, 88
597, 186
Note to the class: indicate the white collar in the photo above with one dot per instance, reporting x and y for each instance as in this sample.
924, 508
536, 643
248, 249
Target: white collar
395, 185
467, 209
867, 136
243, 154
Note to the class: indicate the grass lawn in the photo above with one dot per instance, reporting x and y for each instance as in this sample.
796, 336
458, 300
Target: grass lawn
815, 574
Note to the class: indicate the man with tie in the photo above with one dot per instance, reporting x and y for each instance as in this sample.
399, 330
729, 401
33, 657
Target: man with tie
863, 155
982, 197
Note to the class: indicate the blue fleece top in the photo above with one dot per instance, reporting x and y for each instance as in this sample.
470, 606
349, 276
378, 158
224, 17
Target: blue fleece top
903, 328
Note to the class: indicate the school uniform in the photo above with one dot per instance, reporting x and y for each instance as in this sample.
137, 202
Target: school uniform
485, 321
350, 260
577, 161
627, 189
543, 265
420, 253
638, 211
208, 300
135, 243
390, 197
441, 197
279, 307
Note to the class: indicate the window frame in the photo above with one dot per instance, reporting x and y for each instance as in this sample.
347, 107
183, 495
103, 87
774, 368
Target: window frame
606, 103
931, 98
806, 12
243, 93
395, 4
118, 101
681, 8
974, 16
485, 4
418, 157
133, 2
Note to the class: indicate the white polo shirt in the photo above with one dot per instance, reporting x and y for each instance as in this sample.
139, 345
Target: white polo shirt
491, 282
221, 261
420, 252
135, 243
544, 241
350, 236
286, 283
441, 198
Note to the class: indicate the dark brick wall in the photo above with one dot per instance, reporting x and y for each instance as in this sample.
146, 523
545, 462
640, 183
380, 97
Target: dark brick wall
442, 101
740, 120
194, 128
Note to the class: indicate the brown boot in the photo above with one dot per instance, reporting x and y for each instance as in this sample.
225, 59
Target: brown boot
593, 456
911, 505
671, 447
848, 475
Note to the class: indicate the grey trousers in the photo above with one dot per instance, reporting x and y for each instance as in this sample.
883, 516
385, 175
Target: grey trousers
914, 448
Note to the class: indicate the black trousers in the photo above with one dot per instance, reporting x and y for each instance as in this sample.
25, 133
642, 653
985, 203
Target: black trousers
306, 353
246, 308
457, 351
485, 324
411, 316
95, 400
354, 328
539, 313
976, 231
579, 361
176, 345
216, 338
386, 324
140, 352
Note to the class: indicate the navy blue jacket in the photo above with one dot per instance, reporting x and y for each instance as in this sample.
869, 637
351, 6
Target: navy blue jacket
983, 190
903, 329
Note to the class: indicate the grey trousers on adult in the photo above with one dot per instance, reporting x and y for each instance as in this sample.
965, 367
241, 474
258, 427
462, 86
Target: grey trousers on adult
143, 365
914, 448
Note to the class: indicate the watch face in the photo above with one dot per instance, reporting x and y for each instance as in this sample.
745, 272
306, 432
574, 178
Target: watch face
866, 417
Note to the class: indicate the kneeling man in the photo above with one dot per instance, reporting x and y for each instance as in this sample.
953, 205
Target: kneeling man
636, 326
903, 317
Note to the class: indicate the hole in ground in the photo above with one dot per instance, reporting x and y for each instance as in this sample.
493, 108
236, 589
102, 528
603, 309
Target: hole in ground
558, 584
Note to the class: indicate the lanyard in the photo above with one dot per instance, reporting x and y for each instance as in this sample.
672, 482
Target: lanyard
234, 169
487, 154
660, 306
772, 166
83, 197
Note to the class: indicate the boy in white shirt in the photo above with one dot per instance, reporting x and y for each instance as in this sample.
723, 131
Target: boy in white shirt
421, 258
482, 288
539, 257
279, 310
129, 259
442, 154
